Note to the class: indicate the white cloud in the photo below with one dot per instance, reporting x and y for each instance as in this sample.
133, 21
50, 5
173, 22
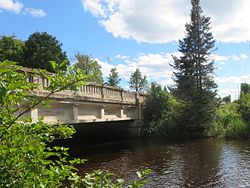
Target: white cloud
11, 5
234, 92
94, 6
121, 57
17, 7
222, 60
234, 79
155, 66
35, 12
161, 21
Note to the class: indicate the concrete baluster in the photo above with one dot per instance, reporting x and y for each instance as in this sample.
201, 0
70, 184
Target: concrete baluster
104, 90
122, 94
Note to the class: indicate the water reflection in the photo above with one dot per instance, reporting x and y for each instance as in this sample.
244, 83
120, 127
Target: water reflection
195, 163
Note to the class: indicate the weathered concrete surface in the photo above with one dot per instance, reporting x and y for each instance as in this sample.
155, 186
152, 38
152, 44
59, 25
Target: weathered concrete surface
92, 103
81, 107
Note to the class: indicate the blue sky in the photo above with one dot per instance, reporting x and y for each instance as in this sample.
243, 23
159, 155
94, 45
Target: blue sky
130, 34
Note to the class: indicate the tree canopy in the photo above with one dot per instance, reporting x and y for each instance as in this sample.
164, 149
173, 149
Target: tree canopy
245, 88
114, 78
137, 81
90, 67
11, 49
40, 48
193, 76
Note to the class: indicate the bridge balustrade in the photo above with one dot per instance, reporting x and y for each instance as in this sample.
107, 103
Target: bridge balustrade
94, 90
91, 103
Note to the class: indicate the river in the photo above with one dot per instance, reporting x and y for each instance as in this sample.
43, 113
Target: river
192, 163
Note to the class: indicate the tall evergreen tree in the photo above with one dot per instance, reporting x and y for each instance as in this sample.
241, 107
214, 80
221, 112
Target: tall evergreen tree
137, 81
194, 69
114, 78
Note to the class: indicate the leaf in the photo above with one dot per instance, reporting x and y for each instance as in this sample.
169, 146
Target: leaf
63, 64
54, 65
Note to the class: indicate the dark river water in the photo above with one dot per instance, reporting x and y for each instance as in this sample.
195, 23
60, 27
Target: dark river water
195, 163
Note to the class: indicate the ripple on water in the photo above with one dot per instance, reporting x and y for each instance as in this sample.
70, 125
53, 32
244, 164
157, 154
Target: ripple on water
198, 163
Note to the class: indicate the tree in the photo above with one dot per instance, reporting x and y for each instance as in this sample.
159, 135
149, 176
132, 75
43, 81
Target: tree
226, 99
245, 88
11, 49
114, 78
90, 67
157, 103
193, 76
160, 112
40, 48
137, 81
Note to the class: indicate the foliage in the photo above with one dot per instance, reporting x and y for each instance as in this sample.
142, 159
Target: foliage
90, 67
228, 122
26, 160
157, 103
11, 49
226, 99
40, 48
160, 112
137, 81
114, 78
193, 76
245, 88
104, 179
244, 106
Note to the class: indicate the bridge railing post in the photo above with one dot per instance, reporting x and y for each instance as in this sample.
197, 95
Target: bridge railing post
104, 91
122, 94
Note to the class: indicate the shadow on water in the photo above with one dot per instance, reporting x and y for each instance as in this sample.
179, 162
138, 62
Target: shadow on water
174, 163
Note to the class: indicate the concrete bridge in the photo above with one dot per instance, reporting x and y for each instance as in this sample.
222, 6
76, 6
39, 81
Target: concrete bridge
92, 103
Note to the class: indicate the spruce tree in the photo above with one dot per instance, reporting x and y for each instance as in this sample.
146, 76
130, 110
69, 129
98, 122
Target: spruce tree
193, 76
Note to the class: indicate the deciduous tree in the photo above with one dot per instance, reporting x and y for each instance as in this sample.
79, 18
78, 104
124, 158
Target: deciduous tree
245, 88
11, 49
90, 67
40, 48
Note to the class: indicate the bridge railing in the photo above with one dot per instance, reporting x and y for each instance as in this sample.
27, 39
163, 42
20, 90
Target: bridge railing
94, 90
107, 92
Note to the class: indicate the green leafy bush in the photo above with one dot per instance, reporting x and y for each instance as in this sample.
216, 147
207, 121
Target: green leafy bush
160, 112
228, 122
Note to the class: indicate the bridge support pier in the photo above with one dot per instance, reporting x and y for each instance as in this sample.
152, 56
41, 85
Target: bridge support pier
102, 111
121, 115
75, 113
34, 115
